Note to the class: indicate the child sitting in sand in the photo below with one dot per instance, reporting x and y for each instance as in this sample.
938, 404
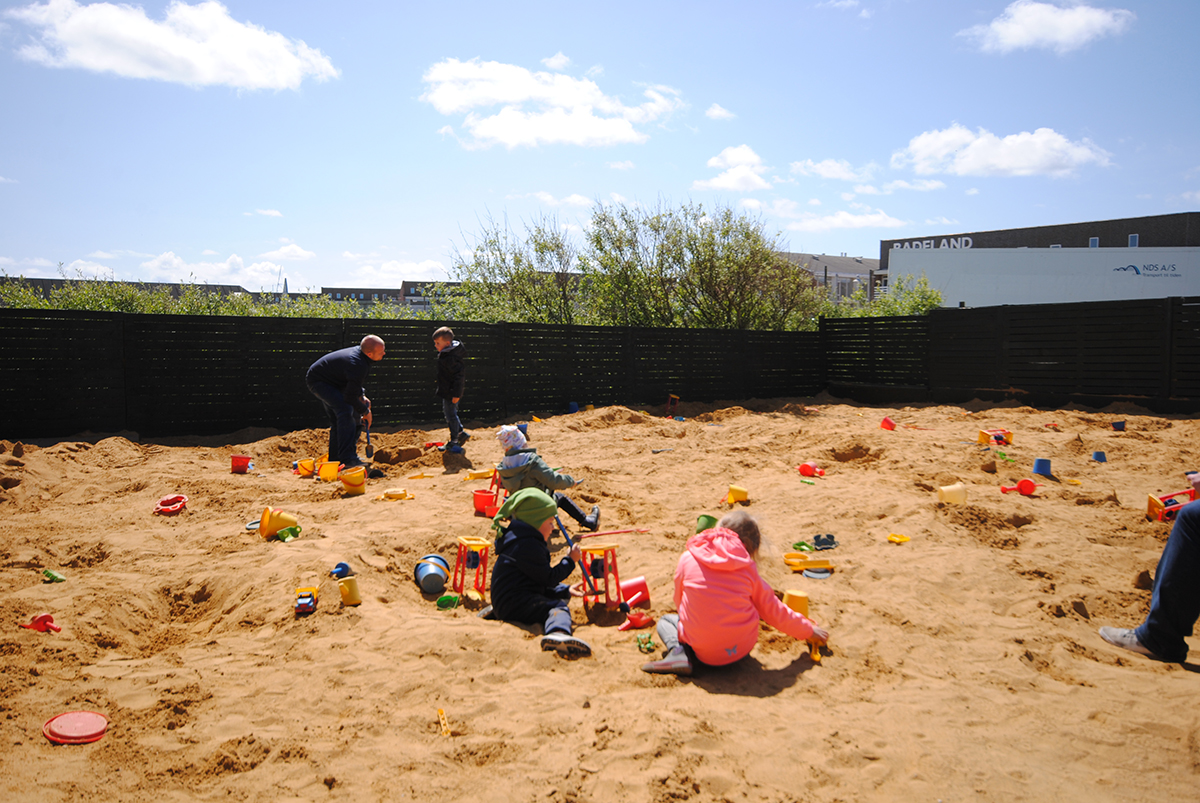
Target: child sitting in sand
525, 586
720, 598
521, 467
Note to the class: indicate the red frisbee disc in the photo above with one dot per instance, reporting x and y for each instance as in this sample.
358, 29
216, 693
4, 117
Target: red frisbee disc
75, 727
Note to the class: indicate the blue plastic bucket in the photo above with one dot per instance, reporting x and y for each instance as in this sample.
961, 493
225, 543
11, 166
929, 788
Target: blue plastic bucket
1042, 466
1099, 457
432, 572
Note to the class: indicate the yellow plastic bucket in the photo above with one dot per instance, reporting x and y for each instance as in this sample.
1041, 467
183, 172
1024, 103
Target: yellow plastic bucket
273, 520
737, 494
307, 467
348, 586
954, 494
354, 480
328, 471
797, 601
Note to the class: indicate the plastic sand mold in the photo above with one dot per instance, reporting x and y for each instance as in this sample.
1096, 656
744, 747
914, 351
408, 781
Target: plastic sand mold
393, 494
447, 602
897, 538
170, 505
646, 643
52, 576
445, 723
76, 727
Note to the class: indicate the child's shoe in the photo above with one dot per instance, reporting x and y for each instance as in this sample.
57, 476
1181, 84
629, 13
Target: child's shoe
565, 645
452, 448
592, 522
675, 663
462, 438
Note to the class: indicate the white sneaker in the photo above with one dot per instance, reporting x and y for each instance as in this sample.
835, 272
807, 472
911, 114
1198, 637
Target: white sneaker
1125, 639
566, 646
675, 663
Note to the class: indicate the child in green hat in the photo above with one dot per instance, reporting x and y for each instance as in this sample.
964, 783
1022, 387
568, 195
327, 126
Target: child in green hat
526, 587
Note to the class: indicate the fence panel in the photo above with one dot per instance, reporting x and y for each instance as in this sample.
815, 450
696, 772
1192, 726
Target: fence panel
1113, 348
1185, 347
62, 372
966, 348
877, 351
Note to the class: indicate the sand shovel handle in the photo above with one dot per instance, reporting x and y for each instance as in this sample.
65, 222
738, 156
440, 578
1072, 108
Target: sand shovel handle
587, 577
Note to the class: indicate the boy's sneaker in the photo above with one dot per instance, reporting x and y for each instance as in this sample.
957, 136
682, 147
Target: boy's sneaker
565, 645
1125, 639
592, 522
462, 438
453, 448
675, 663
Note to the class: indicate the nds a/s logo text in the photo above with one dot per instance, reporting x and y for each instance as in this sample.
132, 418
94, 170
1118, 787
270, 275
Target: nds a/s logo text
1152, 270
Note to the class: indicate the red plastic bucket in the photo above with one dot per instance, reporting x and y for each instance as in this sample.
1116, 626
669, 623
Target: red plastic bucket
887, 423
240, 464
483, 500
636, 592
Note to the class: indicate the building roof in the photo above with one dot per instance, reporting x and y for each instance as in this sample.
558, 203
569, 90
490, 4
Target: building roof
836, 264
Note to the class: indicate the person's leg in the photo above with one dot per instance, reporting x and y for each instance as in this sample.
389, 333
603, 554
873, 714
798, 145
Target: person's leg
1175, 600
557, 630
343, 428
679, 659
450, 411
592, 522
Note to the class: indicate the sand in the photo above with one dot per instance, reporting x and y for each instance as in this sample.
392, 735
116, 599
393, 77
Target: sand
963, 665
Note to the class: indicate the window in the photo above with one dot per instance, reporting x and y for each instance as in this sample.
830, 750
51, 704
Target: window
1093, 242
339, 295
1133, 241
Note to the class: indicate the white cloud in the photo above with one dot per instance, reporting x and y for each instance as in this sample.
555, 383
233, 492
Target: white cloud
198, 45
7, 261
940, 221
742, 171
869, 219
39, 262
814, 201
1028, 24
847, 196
920, 185
208, 252
960, 151
290, 252
625, 165
838, 4
973, 191
717, 112
359, 257
539, 107
1193, 197
833, 168
4, 180
268, 212
866, 13
595, 71
557, 62
101, 255
167, 267
752, 203
618, 198
393, 272
575, 199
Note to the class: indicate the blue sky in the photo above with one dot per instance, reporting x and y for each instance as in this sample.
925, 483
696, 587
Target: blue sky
359, 143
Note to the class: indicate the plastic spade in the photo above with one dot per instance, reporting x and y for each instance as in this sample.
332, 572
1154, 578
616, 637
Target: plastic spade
41, 623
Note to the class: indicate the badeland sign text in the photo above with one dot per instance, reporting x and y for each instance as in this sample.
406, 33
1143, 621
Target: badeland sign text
945, 242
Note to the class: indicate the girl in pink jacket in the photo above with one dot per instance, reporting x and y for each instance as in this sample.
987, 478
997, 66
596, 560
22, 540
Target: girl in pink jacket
720, 598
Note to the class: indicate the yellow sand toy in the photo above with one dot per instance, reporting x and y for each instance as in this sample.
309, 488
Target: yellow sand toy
990, 436
799, 561
395, 494
421, 476
479, 475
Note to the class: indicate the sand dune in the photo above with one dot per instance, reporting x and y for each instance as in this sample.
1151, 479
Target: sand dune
963, 665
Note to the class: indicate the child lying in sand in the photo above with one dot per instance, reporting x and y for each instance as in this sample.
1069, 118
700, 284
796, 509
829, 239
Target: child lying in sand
525, 587
720, 598
523, 468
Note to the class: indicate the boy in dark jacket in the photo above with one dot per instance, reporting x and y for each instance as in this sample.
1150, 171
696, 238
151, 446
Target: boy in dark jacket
523, 468
451, 380
525, 586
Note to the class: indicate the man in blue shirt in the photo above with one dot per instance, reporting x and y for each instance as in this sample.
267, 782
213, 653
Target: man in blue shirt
337, 380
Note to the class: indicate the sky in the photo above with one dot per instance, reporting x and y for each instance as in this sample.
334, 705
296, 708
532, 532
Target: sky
365, 143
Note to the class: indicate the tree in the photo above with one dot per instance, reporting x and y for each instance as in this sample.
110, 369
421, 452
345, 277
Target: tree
905, 296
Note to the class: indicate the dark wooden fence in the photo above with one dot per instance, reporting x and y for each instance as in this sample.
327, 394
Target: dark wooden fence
67, 372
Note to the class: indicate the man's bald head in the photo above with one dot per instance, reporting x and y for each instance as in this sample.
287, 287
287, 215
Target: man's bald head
372, 346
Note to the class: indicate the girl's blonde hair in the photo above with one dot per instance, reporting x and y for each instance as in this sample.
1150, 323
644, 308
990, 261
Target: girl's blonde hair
746, 528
